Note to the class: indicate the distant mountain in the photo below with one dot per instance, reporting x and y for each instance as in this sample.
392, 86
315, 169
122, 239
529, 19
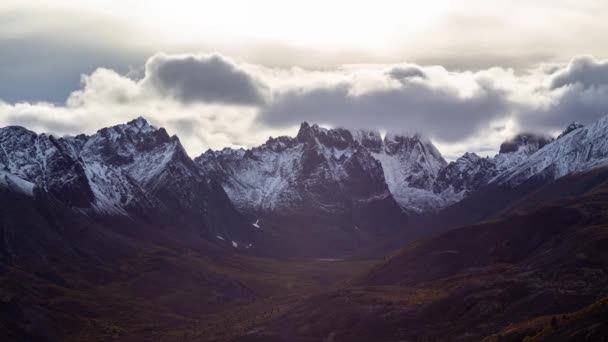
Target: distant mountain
323, 181
410, 164
343, 178
132, 170
578, 149
471, 172
310, 172
330, 187
328, 170
530, 273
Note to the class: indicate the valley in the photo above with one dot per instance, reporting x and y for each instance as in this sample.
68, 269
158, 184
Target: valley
122, 236
303, 171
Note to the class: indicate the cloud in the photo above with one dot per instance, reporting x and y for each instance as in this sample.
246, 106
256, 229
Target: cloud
214, 119
211, 101
45, 51
202, 78
438, 113
441, 105
42, 117
585, 71
406, 72
578, 91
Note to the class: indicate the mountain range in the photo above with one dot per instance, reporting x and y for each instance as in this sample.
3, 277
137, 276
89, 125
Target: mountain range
325, 192
118, 233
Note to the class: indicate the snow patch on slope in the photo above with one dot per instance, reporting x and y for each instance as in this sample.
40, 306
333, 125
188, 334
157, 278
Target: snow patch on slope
581, 149
17, 184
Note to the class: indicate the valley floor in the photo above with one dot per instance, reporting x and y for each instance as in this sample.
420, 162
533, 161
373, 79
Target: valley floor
166, 295
538, 272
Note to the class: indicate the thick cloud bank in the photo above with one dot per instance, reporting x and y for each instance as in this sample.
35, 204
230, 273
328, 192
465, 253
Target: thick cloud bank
438, 112
212, 101
578, 92
211, 78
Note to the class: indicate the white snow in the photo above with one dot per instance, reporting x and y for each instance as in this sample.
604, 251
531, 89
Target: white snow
264, 182
582, 149
418, 162
15, 183
114, 185
235, 244
264, 178
221, 238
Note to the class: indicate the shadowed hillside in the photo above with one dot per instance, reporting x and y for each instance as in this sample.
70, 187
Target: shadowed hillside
474, 281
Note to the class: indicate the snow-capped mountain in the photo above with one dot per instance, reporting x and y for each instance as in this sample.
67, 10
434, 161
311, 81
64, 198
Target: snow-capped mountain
319, 167
410, 164
127, 170
319, 173
577, 149
356, 182
471, 172
574, 125
310, 172
466, 174
45, 161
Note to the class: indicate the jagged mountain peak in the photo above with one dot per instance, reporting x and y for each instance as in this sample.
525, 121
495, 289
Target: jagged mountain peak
14, 129
132, 169
313, 170
369, 139
136, 128
125, 143
581, 149
531, 141
407, 143
140, 124
278, 144
307, 131
331, 137
571, 127
469, 156
409, 163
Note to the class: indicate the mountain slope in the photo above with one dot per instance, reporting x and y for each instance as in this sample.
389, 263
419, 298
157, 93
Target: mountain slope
321, 189
470, 172
132, 170
471, 282
580, 149
410, 165
68, 276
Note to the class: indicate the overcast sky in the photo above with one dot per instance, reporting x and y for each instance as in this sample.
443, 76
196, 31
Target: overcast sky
466, 74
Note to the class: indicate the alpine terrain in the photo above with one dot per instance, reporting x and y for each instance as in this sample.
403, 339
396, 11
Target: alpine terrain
122, 235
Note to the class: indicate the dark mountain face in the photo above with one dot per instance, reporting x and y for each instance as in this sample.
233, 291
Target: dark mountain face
68, 276
470, 172
256, 179
132, 170
536, 141
47, 162
354, 186
572, 127
411, 165
322, 182
502, 279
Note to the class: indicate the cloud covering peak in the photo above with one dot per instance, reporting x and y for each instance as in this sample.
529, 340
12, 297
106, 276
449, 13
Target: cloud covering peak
213, 101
